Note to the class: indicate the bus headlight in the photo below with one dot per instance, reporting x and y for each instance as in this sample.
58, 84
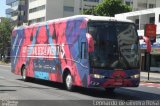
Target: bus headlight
97, 76
135, 76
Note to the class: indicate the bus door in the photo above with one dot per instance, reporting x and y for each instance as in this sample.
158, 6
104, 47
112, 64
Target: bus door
83, 53
83, 69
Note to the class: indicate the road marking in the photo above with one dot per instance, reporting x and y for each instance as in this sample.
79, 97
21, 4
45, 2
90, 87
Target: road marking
150, 86
1, 77
141, 84
155, 85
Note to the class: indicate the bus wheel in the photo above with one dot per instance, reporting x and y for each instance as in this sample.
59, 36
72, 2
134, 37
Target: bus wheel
24, 77
109, 90
69, 82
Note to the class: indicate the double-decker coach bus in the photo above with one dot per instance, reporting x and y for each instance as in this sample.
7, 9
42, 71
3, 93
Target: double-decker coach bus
85, 51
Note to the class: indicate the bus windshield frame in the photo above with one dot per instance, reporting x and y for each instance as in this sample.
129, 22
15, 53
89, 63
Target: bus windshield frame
116, 45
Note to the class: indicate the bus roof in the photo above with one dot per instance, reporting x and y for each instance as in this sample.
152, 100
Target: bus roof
78, 17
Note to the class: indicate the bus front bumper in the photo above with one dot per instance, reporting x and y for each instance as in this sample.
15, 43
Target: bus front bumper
114, 82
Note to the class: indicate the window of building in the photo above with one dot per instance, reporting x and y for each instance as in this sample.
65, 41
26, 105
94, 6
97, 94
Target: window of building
142, 5
151, 5
14, 13
41, 19
92, 0
67, 8
129, 3
152, 20
159, 17
32, 0
37, 9
158, 38
14, 4
22, 13
155, 61
22, 2
137, 23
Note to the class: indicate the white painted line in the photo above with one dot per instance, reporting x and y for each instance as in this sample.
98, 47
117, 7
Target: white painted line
150, 83
1, 77
150, 86
141, 84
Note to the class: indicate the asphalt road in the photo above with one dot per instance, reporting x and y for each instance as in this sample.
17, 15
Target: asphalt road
15, 92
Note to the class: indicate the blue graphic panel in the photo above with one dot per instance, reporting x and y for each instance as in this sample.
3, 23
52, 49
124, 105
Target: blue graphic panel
17, 41
41, 75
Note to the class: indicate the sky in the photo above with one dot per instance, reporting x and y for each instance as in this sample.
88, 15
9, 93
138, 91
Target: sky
3, 8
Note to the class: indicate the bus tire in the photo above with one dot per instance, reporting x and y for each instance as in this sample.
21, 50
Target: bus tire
109, 90
24, 77
68, 82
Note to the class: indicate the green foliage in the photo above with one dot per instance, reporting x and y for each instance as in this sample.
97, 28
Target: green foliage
108, 8
5, 35
89, 11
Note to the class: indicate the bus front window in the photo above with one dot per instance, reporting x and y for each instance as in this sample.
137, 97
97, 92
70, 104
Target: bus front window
115, 45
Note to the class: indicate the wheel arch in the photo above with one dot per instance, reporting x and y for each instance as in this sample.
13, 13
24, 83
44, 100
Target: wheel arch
65, 72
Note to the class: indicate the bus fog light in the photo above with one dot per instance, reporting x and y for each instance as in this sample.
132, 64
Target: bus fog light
94, 83
135, 76
97, 76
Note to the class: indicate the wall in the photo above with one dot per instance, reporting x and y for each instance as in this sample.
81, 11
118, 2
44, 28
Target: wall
54, 9
38, 14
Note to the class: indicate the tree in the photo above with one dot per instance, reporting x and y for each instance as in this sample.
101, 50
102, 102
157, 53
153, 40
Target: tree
108, 8
5, 36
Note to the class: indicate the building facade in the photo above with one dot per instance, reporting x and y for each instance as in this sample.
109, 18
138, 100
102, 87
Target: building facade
33, 11
141, 18
44, 10
137, 5
18, 11
145, 4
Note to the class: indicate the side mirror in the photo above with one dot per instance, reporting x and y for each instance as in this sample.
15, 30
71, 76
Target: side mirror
90, 42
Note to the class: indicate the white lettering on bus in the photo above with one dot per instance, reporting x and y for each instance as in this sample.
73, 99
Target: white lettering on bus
45, 50
62, 51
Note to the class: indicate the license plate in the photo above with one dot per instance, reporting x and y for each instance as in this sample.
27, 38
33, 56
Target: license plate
118, 83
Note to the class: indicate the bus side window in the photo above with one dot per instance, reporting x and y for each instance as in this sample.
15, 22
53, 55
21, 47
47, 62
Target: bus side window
83, 50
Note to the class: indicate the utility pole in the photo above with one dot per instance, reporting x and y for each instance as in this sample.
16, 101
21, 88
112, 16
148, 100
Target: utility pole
148, 57
82, 6
2, 55
3, 47
0, 48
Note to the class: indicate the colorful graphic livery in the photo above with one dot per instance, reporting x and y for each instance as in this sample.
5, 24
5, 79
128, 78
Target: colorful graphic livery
86, 51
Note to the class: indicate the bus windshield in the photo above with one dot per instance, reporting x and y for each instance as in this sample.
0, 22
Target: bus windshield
116, 45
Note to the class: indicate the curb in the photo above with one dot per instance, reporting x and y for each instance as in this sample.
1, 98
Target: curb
150, 81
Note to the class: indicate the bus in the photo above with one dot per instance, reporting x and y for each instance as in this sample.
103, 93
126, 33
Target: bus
84, 50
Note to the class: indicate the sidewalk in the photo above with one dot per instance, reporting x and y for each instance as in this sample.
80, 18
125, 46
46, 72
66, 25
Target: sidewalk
3, 63
154, 77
